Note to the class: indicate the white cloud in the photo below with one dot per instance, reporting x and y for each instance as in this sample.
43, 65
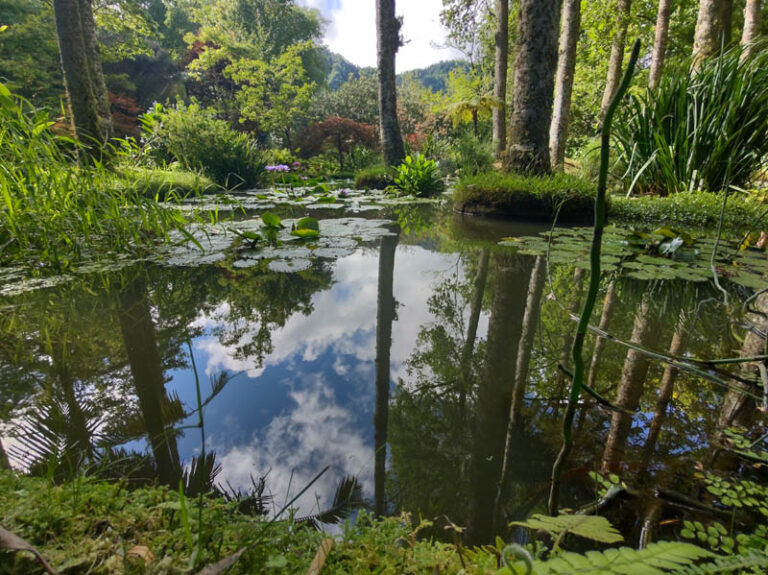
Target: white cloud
351, 31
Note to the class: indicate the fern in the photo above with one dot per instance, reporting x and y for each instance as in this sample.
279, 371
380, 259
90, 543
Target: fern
755, 560
592, 527
656, 559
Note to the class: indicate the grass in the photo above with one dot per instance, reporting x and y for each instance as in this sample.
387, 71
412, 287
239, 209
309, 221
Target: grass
689, 209
158, 183
526, 197
374, 178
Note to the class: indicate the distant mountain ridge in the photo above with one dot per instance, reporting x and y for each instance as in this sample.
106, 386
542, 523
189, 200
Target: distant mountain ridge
434, 77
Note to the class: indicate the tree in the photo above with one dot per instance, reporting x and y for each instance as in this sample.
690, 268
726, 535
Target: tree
660, 43
535, 62
617, 55
751, 26
83, 76
388, 42
500, 77
711, 33
341, 133
566, 68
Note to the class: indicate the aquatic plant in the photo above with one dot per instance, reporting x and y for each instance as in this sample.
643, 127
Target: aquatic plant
419, 176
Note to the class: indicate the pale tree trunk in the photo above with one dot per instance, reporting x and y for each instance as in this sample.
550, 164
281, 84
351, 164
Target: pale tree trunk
751, 27
511, 273
500, 77
676, 347
385, 315
633, 375
388, 41
710, 35
83, 76
573, 309
616, 59
660, 43
570, 26
534, 85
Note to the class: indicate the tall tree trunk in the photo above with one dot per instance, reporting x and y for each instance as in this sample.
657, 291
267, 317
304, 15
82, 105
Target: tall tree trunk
660, 43
676, 347
609, 305
83, 76
535, 63
385, 314
500, 77
573, 309
388, 39
710, 33
751, 27
146, 368
474, 319
616, 60
530, 323
492, 407
570, 26
633, 375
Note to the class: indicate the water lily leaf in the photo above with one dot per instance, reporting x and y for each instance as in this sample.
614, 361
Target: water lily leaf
305, 233
289, 266
308, 224
271, 220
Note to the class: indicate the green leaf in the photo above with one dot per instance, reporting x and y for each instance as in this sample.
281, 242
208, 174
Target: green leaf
591, 527
271, 220
308, 224
305, 233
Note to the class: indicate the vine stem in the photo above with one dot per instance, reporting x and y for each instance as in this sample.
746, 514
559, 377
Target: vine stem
594, 285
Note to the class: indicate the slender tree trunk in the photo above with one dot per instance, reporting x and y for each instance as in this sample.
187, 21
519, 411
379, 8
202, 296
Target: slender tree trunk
616, 60
385, 314
530, 323
146, 368
492, 408
710, 33
660, 43
751, 27
609, 305
570, 26
474, 319
388, 39
500, 77
83, 76
534, 85
573, 309
4, 462
676, 347
633, 375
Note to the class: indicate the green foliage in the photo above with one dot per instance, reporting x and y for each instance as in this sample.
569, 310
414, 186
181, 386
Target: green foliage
694, 209
270, 220
419, 176
527, 196
199, 142
306, 228
159, 183
374, 178
470, 156
699, 130
592, 527
59, 213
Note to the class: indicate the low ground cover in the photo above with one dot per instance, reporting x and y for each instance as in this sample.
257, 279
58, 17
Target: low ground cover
160, 183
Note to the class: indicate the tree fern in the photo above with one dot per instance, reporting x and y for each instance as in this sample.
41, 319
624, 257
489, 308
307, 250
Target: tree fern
656, 559
754, 561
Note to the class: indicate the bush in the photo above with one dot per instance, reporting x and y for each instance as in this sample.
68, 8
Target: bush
374, 178
704, 130
699, 209
472, 156
419, 176
534, 197
199, 142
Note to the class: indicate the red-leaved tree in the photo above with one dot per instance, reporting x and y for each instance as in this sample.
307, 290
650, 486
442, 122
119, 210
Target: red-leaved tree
340, 133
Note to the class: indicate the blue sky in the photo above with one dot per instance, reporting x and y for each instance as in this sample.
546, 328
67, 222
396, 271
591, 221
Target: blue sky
351, 31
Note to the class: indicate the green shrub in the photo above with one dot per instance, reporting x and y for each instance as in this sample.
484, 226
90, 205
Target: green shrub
419, 176
471, 156
55, 212
199, 142
704, 130
536, 197
699, 209
374, 178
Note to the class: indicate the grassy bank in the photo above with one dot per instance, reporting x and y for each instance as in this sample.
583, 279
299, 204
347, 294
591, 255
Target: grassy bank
156, 182
526, 197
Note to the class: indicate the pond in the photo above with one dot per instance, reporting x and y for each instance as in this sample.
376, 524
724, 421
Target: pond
410, 348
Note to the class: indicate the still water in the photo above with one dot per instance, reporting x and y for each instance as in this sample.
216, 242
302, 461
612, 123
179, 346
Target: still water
418, 356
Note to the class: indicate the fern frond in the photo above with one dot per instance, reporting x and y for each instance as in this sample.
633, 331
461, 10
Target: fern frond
656, 559
592, 527
753, 559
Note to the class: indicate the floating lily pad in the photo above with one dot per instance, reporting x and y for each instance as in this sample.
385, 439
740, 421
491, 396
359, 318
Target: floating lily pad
289, 266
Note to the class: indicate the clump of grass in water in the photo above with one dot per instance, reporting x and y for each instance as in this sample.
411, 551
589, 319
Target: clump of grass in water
57, 211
